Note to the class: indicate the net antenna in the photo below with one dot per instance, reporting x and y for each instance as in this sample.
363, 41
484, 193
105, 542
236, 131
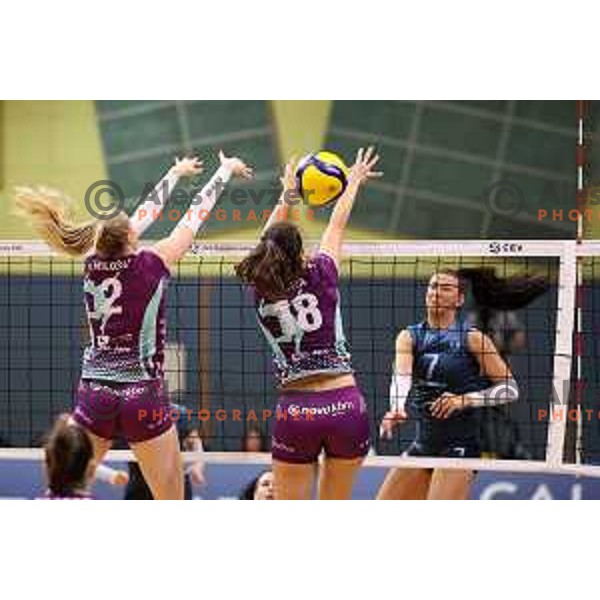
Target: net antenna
574, 448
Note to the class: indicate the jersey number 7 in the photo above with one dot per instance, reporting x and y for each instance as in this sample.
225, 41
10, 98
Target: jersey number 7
431, 360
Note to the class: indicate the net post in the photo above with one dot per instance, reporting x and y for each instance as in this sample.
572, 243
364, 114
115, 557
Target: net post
562, 356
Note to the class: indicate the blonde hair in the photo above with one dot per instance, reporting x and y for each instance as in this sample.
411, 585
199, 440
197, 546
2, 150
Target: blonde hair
47, 211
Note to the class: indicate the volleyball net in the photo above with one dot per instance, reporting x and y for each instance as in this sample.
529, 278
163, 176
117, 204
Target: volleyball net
218, 367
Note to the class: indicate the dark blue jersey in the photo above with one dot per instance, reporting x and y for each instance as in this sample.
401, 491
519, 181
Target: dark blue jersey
442, 363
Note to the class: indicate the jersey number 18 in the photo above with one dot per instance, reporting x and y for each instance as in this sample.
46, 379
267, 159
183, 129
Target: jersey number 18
308, 316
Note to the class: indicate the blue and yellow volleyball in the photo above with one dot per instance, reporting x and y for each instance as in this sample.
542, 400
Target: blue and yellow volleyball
321, 177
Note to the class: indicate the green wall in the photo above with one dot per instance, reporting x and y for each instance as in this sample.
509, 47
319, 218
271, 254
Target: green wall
436, 167
52, 143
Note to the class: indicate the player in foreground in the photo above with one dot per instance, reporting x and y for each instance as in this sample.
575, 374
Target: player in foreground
298, 304
121, 391
69, 461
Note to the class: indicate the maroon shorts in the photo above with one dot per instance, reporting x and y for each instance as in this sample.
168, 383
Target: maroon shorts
333, 421
136, 412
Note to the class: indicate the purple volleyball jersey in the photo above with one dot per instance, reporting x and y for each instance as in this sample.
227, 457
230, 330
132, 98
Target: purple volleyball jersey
125, 305
305, 330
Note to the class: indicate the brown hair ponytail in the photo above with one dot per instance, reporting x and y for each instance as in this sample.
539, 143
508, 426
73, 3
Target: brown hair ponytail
275, 263
502, 293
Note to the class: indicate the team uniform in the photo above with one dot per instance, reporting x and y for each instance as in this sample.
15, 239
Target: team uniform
306, 337
442, 363
121, 392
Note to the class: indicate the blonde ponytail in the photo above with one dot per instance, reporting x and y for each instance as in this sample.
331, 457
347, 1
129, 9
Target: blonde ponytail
46, 210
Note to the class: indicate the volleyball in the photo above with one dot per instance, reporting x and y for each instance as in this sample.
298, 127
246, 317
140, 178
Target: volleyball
321, 178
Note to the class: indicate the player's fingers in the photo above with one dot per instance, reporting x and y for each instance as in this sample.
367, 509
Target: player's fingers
441, 408
359, 156
375, 174
373, 161
368, 154
448, 408
386, 427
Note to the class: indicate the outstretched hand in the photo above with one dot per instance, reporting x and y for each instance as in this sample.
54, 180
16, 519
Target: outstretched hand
288, 179
188, 166
236, 165
362, 169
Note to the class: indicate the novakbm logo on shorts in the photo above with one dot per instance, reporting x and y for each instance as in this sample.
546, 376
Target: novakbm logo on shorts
333, 409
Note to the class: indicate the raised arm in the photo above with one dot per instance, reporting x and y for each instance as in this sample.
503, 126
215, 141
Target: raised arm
504, 389
174, 247
149, 208
360, 172
400, 384
289, 193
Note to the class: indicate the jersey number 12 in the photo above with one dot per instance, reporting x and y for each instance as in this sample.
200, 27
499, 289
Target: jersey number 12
104, 306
